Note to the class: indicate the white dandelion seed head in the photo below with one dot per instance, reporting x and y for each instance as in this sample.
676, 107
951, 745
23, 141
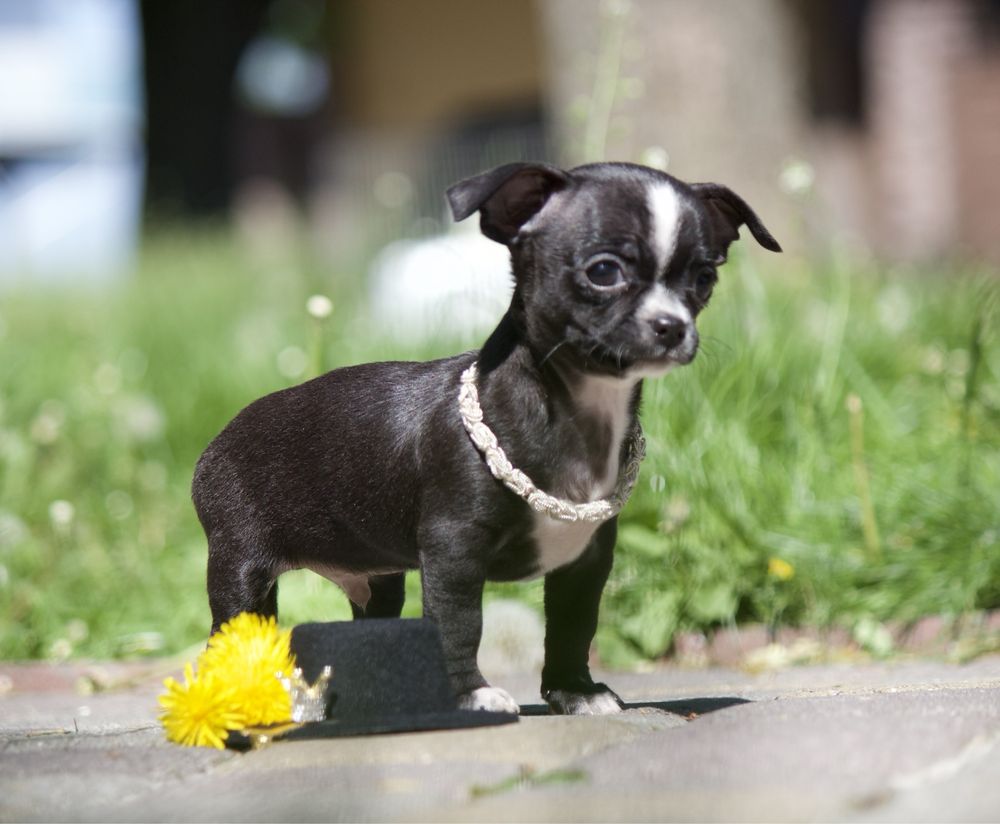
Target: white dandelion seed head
319, 306
797, 177
656, 157
61, 513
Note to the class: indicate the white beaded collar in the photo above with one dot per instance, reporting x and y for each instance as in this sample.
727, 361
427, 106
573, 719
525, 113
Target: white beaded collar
520, 484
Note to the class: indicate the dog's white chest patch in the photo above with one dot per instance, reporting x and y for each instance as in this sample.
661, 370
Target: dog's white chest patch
561, 542
608, 399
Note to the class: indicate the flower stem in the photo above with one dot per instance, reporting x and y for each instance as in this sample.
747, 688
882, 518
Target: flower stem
869, 525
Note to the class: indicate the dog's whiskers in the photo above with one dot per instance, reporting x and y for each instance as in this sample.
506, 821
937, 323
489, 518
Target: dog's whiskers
708, 348
552, 351
716, 342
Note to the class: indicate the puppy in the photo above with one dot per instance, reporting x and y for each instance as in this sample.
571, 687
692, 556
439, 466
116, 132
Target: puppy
501, 464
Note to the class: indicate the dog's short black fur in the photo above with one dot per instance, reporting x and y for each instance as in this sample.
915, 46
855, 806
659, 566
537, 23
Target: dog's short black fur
367, 472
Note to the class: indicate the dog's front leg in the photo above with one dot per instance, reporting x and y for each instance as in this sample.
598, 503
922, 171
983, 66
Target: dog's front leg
453, 598
572, 600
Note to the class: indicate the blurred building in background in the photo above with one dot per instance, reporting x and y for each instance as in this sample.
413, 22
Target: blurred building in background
71, 155
865, 124
931, 142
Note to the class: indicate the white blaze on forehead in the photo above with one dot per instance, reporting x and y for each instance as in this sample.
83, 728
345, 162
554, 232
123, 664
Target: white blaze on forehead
665, 215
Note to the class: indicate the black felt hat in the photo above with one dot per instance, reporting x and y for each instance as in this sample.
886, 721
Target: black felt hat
388, 676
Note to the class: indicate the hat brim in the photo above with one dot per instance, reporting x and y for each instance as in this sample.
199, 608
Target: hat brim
343, 728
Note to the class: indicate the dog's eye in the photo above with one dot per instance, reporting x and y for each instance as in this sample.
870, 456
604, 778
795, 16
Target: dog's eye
704, 282
605, 273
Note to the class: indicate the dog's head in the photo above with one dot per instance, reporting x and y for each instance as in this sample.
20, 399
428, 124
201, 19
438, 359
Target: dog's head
612, 261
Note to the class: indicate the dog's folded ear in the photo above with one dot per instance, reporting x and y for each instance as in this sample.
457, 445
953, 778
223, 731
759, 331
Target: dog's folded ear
728, 211
507, 197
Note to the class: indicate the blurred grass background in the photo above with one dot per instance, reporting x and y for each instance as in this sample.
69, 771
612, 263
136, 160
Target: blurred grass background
829, 458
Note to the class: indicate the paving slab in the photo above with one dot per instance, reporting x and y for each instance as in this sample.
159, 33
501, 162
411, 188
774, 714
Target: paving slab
909, 740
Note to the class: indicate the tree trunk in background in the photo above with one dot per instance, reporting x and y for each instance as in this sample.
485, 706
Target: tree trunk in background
716, 86
912, 51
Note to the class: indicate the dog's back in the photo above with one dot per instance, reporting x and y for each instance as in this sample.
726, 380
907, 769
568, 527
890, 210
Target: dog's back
289, 477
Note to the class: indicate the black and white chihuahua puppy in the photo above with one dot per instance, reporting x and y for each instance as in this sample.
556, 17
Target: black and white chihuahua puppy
369, 471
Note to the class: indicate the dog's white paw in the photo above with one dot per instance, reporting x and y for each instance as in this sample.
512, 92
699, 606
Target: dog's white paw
492, 699
563, 702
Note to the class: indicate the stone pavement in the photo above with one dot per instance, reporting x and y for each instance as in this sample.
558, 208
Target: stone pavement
903, 741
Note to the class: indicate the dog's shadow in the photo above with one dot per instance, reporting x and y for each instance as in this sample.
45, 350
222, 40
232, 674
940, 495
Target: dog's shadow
689, 708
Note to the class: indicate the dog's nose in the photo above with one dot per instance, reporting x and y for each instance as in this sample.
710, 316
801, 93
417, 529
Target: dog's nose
669, 329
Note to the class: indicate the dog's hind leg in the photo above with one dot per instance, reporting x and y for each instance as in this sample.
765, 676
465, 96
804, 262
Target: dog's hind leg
238, 583
388, 592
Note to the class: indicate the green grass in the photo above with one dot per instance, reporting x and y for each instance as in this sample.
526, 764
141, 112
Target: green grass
762, 516
763, 498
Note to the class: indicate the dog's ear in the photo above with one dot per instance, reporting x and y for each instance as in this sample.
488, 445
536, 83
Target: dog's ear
506, 197
728, 211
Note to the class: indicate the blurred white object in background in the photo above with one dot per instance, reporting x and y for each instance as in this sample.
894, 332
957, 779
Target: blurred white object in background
71, 118
513, 639
455, 286
280, 77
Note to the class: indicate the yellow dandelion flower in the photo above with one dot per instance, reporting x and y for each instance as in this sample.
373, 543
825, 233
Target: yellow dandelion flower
780, 569
249, 654
200, 712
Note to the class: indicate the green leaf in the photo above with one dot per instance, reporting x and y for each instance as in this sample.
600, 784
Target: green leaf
643, 540
653, 626
713, 602
614, 651
873, 636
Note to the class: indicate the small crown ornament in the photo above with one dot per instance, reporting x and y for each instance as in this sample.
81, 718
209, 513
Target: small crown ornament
309, 701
